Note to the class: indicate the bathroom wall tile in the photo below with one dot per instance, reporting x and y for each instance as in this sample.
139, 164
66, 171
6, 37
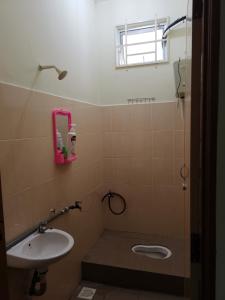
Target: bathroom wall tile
140, 115
178, 164
107, 119
116, 144
179, 144
169, 205
140, 171
17, 214
163, 116
163, 144
36, 118
180, 117
187, 113
163, 172
95, 175
6, 163
121, 170
155, 159
121, 118
108, 170
78, 116
116, 170
32, 164
141, 208
141, 144
32, 183
92, 119
187, 215
126, 221
89, 148
12, 104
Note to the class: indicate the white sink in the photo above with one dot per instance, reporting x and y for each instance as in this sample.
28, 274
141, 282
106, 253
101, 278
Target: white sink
40, 249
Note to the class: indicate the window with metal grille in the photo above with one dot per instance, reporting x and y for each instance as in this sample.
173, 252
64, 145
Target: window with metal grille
141, 43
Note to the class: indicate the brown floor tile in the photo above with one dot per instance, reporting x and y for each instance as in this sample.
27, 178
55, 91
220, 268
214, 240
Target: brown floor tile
105, 292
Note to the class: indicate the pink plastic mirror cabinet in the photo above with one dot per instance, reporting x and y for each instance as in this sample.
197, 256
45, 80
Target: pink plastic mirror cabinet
64, 136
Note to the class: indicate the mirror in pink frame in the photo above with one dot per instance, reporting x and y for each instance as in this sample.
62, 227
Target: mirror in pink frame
64, 141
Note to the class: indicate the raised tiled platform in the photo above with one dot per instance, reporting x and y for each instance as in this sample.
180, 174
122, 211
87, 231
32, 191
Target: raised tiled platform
114, 249
111, 261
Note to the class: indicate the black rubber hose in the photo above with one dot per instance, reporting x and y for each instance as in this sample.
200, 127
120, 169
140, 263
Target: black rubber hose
111, 195
173, 24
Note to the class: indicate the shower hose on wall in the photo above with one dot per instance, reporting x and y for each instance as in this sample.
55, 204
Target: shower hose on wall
110, 195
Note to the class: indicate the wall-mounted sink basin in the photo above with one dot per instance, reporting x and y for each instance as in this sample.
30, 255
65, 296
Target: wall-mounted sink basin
40, 249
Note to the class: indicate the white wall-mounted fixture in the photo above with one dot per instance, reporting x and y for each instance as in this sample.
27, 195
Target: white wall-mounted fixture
61, 74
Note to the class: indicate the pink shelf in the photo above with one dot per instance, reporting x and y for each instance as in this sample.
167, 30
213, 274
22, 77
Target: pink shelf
59, 157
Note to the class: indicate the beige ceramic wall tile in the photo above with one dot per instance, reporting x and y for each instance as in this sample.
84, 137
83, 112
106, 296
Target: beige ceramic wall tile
180, 116
18, 214
12, 103
179, 144
156, 132
140, 171
121, 170
141, 144
108, 172
107, 119
163, 144
121, 118
36, 120
33, 184
163, 116
179, 164
140, 117
32, 164
169, 209
117, 144
163, 172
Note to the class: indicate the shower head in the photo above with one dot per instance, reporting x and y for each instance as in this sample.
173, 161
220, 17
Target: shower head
61, 74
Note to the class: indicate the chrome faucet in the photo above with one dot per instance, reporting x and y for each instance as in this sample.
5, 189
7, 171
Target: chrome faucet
42, 227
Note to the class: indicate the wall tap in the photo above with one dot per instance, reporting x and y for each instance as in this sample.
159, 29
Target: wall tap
52, 211
42, 227
76, 205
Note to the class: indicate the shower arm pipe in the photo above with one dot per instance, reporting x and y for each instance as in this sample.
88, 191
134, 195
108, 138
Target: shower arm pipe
41, 67
172, 25
61, 74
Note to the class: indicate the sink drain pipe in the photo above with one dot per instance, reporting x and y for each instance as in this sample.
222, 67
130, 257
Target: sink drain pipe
39, 283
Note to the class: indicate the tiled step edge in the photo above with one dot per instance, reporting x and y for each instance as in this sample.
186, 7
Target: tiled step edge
134, 279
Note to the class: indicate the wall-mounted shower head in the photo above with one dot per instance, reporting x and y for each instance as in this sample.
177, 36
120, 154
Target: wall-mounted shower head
61, 74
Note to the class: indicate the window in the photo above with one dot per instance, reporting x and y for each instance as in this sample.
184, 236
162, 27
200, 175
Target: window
141, 43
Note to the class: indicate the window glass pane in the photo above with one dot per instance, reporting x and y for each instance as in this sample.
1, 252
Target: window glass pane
138, 59
159, 34
160, 51
135, 49
140, 53
138, 37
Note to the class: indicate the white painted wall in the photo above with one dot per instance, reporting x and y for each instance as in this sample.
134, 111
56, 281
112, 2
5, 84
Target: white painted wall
78, 35
50, 32
116, 86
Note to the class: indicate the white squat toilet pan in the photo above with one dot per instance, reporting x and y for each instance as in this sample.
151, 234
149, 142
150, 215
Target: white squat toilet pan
152, 251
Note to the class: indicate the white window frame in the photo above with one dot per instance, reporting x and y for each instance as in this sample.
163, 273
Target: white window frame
125, 28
